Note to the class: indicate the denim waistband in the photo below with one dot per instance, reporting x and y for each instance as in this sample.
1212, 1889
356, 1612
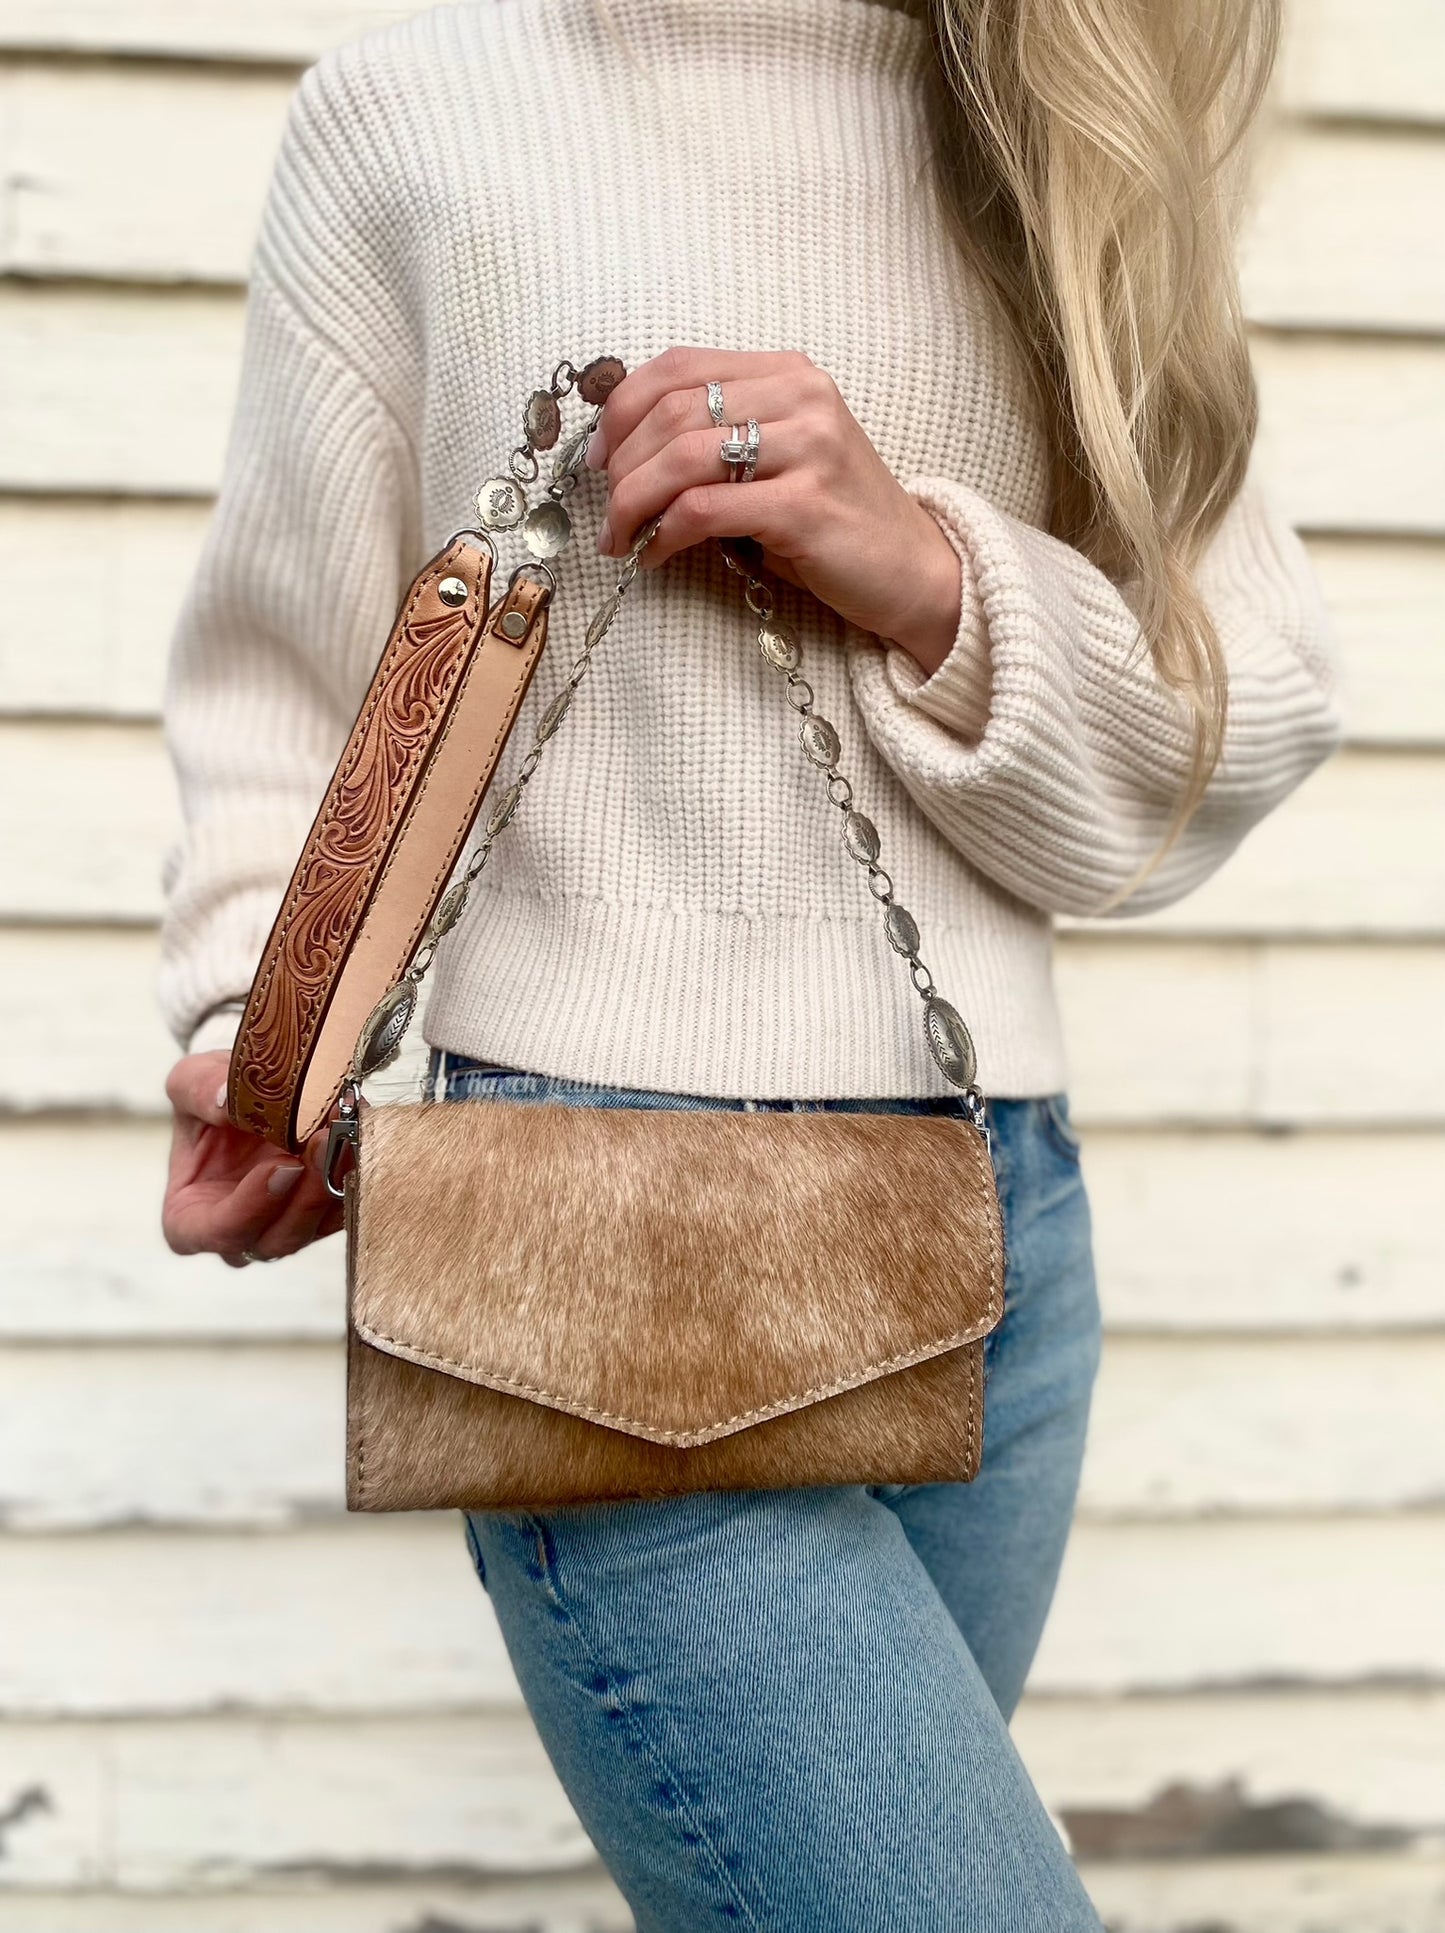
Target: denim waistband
447, 1071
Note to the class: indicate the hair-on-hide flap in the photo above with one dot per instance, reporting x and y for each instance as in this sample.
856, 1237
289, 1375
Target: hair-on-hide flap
675, 1275
554, 1305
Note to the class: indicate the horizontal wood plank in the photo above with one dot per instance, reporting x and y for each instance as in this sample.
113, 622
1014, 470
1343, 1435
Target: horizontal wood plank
77, 860
114, 389
130, 390
216, 1805
1189, 1426
379, 1614
1330, 1893
1387, 604
221, 1803
1264, 1232
1355, 851
1218, 1033
171, 1435
1365, 1758
1302, 1232
1168, 1606
590, 1904
1181, 1427
84, 1256
92, 656
88, 151
386, 1615
1377, 59
263, 30
1332, 240
1227, 1033
1352, 431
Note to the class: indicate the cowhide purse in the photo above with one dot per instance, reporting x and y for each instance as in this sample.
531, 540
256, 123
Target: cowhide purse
549, 1304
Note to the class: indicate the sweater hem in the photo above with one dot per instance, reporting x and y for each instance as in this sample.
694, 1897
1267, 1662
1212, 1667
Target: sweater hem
681, 1001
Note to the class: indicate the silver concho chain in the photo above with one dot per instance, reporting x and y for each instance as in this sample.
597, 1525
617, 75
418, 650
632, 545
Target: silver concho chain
502, 504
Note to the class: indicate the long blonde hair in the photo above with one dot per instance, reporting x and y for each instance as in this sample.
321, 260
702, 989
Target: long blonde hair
1089, 161
1089, 158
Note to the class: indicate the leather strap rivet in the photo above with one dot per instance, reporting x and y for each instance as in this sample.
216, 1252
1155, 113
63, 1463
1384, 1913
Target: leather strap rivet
453, 591
514, 624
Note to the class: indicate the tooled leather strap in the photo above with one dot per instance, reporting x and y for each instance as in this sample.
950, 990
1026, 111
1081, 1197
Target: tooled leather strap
382, 846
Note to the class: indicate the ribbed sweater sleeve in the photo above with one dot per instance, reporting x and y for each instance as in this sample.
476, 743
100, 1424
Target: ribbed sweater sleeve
295, 588
1045, 747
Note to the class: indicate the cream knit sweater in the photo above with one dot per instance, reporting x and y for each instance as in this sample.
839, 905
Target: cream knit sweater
464, 200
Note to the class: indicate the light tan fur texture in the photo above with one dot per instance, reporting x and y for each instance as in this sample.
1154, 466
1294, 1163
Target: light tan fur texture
552, 1303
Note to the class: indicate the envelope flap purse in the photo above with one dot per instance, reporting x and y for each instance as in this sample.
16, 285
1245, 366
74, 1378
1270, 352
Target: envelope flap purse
521, 1248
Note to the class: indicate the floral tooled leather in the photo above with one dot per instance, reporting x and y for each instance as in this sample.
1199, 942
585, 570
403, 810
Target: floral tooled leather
351, 836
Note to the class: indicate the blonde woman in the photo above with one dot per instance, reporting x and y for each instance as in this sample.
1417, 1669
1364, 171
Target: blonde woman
968, 265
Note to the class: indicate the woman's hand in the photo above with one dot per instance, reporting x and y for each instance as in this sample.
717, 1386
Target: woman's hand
830, 515
230, 1191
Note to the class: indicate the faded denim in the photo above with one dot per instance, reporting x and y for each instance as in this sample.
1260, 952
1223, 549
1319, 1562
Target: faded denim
787, 1710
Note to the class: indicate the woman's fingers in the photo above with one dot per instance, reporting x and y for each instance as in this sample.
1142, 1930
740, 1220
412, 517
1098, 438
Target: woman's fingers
231, 1217
687, 368
228, 1191
684, 412
308, 1211
196, 1087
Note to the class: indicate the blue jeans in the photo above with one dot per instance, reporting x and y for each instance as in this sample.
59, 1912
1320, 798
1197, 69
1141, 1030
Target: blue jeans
788, 1710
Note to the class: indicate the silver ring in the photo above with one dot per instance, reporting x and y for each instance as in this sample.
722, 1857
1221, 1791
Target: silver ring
741, 454
715, 403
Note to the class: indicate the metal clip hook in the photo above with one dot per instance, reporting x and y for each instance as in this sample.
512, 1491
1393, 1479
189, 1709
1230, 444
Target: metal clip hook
343, 1133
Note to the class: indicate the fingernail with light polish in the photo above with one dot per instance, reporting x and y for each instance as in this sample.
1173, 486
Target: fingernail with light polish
283, 1180
604, 537
221, 1099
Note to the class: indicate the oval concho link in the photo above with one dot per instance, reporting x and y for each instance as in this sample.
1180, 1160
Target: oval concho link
949, 1041
860, 836
819, 740
601, 618
453, 905
504, 808
902, 930
568, 460
778, 645
381, 1036
554, 714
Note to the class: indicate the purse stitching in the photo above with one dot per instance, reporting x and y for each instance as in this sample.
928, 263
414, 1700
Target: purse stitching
683, 1437
479, 790
526, 668
399, 625
975, 1413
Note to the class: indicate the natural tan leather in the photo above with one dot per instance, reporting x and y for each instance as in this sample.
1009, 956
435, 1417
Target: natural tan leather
551, 1303
425, 744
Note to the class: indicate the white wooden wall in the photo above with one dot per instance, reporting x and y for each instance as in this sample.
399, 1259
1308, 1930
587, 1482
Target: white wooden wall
228, 1708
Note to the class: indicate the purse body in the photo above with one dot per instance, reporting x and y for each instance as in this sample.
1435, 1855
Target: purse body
551, 1304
